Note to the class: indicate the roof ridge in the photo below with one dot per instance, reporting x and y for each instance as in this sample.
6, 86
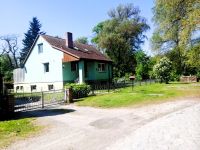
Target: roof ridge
85, 51
56, 37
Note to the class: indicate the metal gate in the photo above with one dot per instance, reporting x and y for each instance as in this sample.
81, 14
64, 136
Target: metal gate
38, 100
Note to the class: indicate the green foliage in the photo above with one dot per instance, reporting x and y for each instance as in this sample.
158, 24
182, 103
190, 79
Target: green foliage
174, 76
30, 37
79, 90
6, 68
176, 20
194, 57
177, 23
120, 36
162, 69
143, 65
83, 40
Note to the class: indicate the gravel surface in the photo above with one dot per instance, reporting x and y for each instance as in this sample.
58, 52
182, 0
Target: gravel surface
172, 125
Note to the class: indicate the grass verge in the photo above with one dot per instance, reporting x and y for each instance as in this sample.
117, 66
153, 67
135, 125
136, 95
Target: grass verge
16, 129
142, 95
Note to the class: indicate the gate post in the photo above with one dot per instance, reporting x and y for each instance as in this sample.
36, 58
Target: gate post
10, 103
42, 100
68, 95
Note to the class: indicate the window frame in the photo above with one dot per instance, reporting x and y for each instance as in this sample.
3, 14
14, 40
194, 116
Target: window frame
33, 87
40, 48
21, 88
52, 87
101, 68
46, 67
74, 66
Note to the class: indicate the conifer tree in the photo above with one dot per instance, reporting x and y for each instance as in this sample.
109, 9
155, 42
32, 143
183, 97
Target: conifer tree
30, 37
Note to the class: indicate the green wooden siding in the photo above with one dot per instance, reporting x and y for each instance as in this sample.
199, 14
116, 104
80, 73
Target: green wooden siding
69, 75
91, 72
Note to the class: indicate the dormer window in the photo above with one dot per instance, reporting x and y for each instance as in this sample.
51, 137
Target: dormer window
40, 48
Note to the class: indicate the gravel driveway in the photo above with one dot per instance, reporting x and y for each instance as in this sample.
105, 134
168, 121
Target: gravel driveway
172, 125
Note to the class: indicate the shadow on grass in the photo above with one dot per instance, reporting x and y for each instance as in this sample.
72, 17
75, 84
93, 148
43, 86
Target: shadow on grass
82, 99
179, 83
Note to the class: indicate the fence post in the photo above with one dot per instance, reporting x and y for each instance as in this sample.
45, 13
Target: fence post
108, 86
42, 100
93, 88
65, 95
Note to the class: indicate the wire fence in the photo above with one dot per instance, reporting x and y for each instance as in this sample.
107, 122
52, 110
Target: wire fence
110, 87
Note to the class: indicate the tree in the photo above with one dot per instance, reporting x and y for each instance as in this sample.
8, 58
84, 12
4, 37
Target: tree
6, 68
143, 65
194, 58
83, 40
9, 53
9, 49
176, 22
30, 37
120, 36
162, 69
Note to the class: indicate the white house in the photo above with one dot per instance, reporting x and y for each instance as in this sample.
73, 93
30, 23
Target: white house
52, 62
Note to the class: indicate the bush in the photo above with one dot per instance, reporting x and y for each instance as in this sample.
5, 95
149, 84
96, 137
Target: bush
163, 69
174, 76
79, 90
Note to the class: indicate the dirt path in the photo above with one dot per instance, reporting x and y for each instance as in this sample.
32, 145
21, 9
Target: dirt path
172, 125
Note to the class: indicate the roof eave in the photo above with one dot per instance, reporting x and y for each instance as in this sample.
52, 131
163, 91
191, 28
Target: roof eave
31, 49
64, 51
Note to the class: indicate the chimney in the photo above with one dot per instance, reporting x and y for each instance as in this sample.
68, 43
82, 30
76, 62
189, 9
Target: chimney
69, 39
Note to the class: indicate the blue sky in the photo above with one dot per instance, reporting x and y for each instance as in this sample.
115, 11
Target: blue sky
59, 16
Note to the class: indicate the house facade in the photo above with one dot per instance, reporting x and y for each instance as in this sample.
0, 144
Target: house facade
52, 62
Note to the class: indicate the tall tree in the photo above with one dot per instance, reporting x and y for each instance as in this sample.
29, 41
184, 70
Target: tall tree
176, 22
83, 40
9, 48
30, 37
120, 36
9, 56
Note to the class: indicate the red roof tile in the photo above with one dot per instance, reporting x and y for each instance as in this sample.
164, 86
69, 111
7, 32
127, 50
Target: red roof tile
81, 51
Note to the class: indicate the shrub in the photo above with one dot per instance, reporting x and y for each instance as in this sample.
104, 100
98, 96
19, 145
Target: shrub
174, 76
79, 90
163, 69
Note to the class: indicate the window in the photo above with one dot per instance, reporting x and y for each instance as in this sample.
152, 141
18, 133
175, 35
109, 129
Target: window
50, 87
101, 67
17, 88
46, 67
40, 48
21, 87
33, 87
74, 66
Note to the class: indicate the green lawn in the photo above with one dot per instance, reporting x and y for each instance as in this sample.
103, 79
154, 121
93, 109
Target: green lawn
142, 95
16, 129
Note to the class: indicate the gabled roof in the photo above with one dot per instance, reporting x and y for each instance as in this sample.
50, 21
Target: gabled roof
80, 51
